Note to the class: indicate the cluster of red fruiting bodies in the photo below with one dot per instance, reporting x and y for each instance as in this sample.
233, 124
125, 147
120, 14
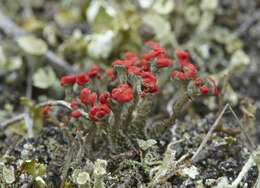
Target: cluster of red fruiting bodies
98, 104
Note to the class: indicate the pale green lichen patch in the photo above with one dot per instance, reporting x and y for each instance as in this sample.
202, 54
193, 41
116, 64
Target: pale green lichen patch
8, 174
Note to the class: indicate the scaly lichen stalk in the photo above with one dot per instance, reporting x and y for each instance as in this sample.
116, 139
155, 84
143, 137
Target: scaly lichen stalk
183, 98
137, 125
177, 107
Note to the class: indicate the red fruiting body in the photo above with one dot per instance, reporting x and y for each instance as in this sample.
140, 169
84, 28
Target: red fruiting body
75, 114
158, 52
183, 58
134, 70
118, 62
130, 57
178, 75
163, 62
82, 79
190, 71
103, 98
151, 44
203, 90
148, 78
92, 99
151, 89
97, 112
214, 89
149, 82
93, 71
74, 104
123, 93
110, 75
84, 95
144, 64
45, 110
174, 74
197, 82
182, 55
68, 80
123, 63
148, 57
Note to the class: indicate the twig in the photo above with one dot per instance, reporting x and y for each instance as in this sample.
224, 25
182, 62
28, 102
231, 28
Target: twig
55, 103
27, 119
11, 121
247, 24
183, 158
61, 103
126, 155
21, 116
10, 28
243, 172
253, 160
28, 123
29, 78
205, 140
58, 62
27, 9
251, 145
